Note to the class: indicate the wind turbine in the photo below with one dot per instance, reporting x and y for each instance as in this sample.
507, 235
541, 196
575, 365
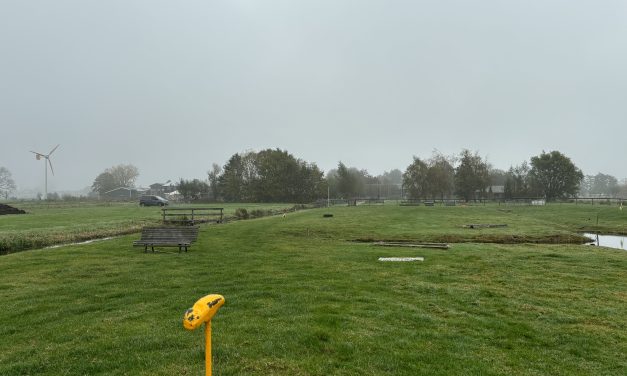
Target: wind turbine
38, 156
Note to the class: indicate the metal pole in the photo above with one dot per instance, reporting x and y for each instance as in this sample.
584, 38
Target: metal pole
46, 179
208, 348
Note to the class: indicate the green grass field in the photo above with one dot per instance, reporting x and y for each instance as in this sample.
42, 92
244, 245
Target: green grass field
47, 224
304, 298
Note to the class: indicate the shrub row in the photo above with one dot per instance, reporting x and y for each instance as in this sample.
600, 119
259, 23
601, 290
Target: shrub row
242, 213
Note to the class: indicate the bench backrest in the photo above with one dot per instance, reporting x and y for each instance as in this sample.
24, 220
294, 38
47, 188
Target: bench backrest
172, 233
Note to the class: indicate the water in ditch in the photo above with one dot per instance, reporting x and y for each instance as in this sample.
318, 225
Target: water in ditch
610, 241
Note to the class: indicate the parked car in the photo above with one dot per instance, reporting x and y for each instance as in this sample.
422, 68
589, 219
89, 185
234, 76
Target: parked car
152, 201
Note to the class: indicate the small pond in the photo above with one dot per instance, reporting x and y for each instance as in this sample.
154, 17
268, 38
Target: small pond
610, 241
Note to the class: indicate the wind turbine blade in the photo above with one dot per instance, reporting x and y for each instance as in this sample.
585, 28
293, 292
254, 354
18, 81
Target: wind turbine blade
51, 169
55, 148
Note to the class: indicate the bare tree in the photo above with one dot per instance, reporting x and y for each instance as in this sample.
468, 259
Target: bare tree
124, 175
7, 185
114, 177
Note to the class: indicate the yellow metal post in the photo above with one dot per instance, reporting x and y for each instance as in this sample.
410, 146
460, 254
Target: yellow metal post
208, 348
202, 312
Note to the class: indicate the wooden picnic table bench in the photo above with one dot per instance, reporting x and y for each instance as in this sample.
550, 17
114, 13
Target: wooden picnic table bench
192, 215
167, 236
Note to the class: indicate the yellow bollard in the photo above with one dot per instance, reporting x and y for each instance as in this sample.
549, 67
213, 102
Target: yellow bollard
203, 311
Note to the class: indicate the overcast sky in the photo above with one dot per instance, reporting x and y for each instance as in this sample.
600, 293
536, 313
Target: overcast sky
174, 86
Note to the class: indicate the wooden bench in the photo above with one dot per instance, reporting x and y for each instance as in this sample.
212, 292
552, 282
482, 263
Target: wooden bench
171, 236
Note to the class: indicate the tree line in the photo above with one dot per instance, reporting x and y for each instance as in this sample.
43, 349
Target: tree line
270, 175
275, 175
550, 175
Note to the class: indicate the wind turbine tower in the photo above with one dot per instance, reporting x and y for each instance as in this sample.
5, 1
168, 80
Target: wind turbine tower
47, 162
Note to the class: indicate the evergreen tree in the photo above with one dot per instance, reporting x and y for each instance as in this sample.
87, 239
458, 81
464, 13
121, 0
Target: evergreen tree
554, 175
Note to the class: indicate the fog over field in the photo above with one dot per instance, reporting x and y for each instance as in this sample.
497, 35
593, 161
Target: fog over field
172, 87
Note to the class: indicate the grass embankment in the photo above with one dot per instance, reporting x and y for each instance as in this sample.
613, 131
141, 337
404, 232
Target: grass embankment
302, 300
525, 224
47, 224
61, 223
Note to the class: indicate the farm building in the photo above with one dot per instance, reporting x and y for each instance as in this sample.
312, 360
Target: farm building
123, 193
161, 189
496, 191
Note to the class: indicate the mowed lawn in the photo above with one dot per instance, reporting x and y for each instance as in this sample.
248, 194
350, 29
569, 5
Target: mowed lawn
304, 298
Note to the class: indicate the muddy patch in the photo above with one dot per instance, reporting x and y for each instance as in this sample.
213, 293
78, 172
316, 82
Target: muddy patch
412, 245
483, 238
7, 209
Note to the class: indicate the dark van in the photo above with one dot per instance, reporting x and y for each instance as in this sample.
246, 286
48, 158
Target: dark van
152, 201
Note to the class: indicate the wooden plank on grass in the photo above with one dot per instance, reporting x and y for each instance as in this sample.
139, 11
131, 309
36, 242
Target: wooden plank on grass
412, 245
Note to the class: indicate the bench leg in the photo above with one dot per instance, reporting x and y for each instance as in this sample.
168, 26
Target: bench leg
153, 248
145, 248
